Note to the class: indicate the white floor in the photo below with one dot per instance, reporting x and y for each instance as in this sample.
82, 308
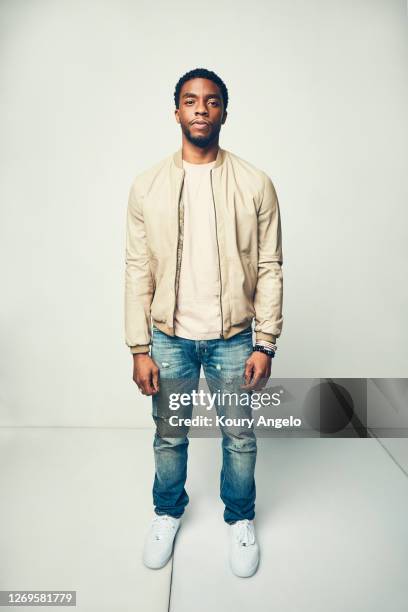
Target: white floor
331, 520
75, 505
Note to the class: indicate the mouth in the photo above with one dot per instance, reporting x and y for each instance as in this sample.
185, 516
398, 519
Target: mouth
200, 125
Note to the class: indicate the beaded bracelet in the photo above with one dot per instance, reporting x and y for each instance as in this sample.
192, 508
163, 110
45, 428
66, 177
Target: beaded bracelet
262, 349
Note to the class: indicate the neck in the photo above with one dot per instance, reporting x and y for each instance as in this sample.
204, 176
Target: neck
197, 155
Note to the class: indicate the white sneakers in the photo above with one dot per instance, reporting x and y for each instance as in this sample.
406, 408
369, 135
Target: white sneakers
243, 548
158, 546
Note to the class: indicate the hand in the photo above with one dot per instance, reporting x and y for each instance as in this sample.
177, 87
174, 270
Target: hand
257, 371
146, 373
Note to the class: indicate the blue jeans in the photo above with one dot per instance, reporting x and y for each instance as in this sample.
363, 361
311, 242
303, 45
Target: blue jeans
223, 361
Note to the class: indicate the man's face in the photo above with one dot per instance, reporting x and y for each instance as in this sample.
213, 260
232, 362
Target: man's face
201, 111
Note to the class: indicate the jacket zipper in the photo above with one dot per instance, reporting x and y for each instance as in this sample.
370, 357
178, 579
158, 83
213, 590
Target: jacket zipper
218, 251
177, 251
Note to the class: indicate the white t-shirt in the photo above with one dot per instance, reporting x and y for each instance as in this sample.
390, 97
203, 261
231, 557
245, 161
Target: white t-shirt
198, 313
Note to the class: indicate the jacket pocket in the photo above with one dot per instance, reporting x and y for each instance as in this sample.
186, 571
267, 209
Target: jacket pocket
252, 277
153, 271
243, 282
161, 301
241, 310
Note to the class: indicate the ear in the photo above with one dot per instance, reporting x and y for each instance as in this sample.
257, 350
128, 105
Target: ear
224, 117
176, 114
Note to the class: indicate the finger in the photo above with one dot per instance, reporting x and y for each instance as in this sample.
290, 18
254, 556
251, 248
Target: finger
248, 377
261, 381
146, 386
249, 368
156, 381
255, 379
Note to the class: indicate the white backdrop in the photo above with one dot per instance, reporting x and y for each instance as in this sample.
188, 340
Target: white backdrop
318, 98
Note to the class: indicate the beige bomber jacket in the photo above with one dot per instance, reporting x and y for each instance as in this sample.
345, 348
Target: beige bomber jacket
249, 241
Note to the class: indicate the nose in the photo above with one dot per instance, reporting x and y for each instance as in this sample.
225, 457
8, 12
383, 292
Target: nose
201, 110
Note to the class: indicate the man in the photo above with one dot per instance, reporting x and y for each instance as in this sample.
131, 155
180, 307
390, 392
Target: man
203, 259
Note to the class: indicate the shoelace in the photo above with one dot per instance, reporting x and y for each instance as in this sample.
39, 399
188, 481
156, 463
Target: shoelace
161, 526
245, 532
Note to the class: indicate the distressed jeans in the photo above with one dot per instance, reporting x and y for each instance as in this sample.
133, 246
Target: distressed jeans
223, 362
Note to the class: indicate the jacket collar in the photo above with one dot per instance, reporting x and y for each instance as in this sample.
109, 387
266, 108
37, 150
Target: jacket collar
178, 158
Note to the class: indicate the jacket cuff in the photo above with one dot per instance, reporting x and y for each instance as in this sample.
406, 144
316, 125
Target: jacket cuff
139, 348
263, 336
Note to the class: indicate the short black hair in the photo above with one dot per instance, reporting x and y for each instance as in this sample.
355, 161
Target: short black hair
201, 73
